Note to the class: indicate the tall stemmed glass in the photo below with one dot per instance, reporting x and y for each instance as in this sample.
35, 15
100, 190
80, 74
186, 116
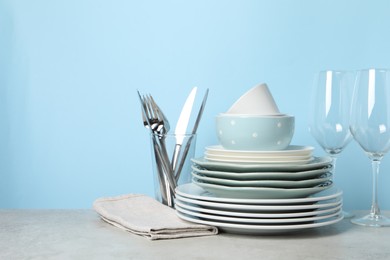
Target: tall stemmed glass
330, 112
370, 127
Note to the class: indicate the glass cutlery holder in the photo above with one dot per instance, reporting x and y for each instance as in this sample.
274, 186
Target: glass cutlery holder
171, 160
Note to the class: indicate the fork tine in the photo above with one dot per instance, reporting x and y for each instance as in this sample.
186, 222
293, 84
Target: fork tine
154, 107
146, 122
163, 121
154, 111
149, 108
153, 117
161, 115
144, 110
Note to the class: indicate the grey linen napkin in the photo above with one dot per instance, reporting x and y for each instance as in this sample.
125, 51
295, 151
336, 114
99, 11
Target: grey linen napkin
142, 215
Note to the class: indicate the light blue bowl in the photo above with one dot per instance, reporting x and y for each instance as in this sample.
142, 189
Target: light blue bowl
254, 132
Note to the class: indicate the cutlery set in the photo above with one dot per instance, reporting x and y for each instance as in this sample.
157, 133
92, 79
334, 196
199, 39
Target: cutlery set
169, 168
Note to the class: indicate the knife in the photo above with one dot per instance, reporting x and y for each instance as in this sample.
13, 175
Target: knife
187, 147
181, 126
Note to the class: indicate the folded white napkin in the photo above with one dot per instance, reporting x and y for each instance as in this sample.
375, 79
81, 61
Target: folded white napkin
142, 215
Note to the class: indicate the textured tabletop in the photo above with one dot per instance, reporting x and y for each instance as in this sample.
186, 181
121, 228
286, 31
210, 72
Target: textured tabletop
81, 234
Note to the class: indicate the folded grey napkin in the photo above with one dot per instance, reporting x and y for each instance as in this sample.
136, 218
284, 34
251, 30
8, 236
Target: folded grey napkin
142, 215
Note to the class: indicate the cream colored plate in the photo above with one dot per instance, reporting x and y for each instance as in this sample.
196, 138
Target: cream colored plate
243, 160
292, 150
265, 158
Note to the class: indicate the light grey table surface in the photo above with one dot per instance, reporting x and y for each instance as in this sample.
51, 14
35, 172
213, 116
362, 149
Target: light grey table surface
81, 234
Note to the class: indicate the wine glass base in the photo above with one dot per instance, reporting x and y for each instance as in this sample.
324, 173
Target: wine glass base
372, 220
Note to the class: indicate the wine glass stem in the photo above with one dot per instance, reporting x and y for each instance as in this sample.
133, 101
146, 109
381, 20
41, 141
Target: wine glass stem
375, 171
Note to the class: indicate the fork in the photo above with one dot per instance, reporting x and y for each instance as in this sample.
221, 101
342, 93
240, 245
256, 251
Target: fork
164, 188
160, 126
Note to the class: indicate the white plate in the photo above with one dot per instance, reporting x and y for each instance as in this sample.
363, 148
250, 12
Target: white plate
292, 150
299, 175
261, 192
265, 208
250, 229
264, 183
255, 160
233, 213
317, 162
256, 220
193, 191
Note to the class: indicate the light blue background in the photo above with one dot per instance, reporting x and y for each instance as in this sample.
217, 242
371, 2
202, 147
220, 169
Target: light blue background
70, 126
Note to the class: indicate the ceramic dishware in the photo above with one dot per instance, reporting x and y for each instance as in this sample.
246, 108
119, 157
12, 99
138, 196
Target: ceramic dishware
258, 216
257, 101
267, 215
244, 220
288, 152
253, 132
315, 163
252, 229
199, 195
263, 175
307, 183
260, 192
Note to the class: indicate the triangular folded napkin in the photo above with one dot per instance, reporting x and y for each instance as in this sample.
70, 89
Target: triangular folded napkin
142, 215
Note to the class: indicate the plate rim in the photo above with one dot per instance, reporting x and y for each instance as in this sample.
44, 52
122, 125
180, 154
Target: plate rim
313, 164
225, 188
301, 148
198, 208
338, 192
294, 157
246, 220
242, 175
264, 227
236, 183
268, 207
254, 161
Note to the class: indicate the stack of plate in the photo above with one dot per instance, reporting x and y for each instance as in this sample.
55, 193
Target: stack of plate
260, 191
258, 216
290, 173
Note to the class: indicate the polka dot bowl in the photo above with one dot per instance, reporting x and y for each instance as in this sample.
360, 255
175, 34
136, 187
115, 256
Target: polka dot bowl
255, 132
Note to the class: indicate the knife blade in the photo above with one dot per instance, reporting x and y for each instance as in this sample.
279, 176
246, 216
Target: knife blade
181, 125
188, 145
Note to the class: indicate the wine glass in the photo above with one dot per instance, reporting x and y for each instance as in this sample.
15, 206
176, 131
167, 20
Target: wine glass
370, 127
330, 112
